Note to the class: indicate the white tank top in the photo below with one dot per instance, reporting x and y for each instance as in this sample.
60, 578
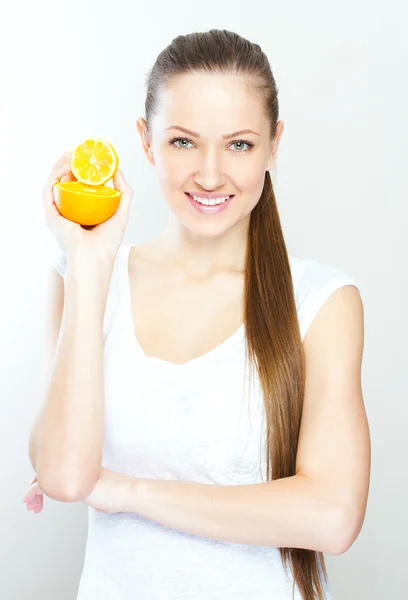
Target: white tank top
194, 422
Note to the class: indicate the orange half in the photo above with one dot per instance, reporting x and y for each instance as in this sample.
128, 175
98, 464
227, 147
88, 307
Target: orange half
94, 161
84, 204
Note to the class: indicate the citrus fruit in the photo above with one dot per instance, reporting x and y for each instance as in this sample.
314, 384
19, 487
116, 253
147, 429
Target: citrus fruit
85, 204
94, 161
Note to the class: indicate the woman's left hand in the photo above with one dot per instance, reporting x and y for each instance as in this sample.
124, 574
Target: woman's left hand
109, 493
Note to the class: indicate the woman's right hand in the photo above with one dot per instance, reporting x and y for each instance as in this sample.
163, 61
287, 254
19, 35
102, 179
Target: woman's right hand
103, 240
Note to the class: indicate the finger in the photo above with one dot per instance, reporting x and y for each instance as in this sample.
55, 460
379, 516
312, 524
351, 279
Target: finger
62, 162
52, 208
35, 503
69, 177
61, 166
62, 159
122, 186
120, 183
29, 495
40, 502
57, 175
35, 488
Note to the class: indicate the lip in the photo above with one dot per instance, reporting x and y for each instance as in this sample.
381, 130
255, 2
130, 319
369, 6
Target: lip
213, 209
212, 196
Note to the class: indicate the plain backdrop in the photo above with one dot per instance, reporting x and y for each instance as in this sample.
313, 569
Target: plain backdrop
73, 69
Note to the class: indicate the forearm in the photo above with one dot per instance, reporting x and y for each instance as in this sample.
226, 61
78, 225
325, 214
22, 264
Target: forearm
69, 430
290, 512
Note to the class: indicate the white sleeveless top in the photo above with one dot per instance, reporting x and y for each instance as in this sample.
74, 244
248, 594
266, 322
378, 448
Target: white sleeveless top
193, 422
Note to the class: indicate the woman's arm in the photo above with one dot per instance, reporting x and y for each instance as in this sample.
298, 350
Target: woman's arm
291, 512
66, 440
321, 507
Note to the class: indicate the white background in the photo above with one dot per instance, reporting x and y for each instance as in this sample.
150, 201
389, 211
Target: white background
73, 69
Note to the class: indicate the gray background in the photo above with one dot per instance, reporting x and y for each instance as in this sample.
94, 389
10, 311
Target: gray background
74, 69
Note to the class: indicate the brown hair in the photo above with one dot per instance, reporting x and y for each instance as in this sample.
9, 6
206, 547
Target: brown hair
272, 327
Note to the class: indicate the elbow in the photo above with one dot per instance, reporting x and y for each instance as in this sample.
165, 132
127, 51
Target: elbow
68, 482
345, 530
58, 493
65, 490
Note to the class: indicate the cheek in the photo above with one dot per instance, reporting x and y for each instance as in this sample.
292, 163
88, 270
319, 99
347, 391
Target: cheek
172, 171
250, 177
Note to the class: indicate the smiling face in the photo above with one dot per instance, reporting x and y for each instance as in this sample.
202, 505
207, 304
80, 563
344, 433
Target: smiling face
202, 160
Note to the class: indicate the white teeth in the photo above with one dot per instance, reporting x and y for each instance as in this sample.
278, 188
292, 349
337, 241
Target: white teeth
210, 202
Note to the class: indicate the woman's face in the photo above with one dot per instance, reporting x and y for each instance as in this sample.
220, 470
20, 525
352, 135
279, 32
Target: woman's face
203, 162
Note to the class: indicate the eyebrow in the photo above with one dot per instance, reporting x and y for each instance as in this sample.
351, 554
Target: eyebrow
225, 137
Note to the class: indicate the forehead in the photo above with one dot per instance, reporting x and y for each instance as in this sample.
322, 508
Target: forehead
211, 104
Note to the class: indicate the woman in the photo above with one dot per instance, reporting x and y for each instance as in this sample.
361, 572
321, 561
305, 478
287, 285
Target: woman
208, 488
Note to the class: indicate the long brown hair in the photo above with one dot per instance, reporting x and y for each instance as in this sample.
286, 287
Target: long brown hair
272, 328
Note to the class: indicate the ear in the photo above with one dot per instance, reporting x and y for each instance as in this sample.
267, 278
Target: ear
271, 164
146, 142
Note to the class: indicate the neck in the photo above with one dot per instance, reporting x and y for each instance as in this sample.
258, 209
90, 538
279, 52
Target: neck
203, 256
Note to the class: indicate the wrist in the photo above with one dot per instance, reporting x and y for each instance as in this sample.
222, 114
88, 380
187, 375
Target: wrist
84, 262
88, 271
128, 491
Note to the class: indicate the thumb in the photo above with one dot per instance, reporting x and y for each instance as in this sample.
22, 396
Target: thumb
122, 186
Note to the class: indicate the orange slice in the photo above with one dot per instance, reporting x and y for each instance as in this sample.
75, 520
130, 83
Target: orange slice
94, 161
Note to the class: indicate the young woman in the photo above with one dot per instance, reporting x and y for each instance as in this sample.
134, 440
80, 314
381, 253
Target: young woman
202, 482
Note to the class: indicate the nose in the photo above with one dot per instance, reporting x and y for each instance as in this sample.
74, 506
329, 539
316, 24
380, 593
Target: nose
210, 174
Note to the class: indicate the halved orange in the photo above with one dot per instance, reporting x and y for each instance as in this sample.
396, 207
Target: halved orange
85, 204
94, 161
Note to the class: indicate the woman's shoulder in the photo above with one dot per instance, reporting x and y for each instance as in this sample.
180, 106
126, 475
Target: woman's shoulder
309, 272
314, 281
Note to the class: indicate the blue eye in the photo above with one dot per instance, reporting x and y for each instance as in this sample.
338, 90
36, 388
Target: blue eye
182, 139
